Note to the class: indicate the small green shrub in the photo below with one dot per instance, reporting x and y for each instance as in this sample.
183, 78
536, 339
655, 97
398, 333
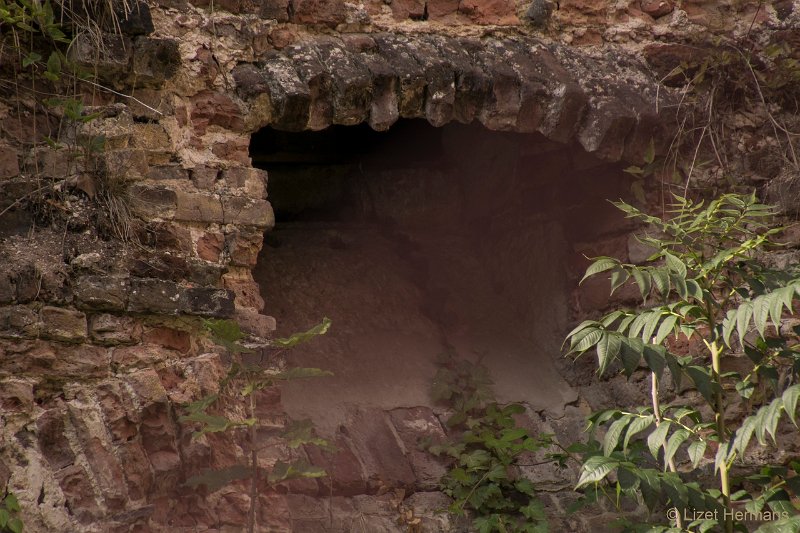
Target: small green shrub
482, 478
239, 387
9, 511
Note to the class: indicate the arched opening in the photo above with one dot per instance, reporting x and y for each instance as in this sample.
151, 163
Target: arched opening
418, 240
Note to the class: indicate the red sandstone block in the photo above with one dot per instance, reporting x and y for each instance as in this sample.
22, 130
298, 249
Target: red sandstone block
209, 246
169, 338
215, 109
501, 12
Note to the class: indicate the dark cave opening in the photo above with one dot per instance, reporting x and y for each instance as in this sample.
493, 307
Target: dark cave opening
419, 240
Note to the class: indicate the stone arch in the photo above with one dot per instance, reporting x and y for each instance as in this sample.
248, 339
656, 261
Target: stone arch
606, 102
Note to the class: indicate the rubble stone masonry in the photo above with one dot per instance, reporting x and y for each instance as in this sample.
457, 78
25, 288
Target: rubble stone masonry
101, 338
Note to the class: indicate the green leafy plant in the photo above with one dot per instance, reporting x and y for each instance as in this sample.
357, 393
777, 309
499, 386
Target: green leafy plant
707, 282
483, 478
9, 510
245, 378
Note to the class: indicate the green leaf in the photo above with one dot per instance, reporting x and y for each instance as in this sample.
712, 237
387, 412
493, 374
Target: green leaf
661, 281
786, 525
298, 469
696, 451
582, 326
11, 503
618, 278
300, 338
655, 357
650, 153
724, 452
637, 188
675, 265
680, 286
743, 315
300, 373
587, 340
675, 368
614, 433
657, 438
595, 469
4, 516
745, 388
702, 381
789, 399
665, 328
642, 279
776, 308
786, 295
633, 169
211, 423
769, 421
202, 404
54, 64
694, 290
649, 329
638, 425
744, 434
607, 349
761, 306
728, 325
215, 479
300, 432
630, 354
638, 323
30, 59
15, 525
601, 264
673, 444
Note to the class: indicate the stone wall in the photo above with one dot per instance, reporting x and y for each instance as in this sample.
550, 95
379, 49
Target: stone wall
100, 336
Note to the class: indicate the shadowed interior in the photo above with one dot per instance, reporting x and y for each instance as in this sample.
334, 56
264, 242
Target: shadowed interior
419, 240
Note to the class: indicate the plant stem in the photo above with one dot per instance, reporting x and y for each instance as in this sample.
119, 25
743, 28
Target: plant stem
659, 419
251, 519
719, 415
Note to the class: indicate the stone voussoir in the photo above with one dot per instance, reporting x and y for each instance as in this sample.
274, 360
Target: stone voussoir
508, 84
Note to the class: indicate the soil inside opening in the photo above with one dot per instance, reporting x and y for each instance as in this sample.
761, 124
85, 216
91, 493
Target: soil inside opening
419, 240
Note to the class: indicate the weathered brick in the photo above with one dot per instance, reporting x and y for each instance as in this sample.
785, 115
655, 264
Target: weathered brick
209, 247
215, 109
153, 201
239, 210
154, 296
62, 324
18, 321
169, 338
102, 293
199, 207
113, 329
210, 302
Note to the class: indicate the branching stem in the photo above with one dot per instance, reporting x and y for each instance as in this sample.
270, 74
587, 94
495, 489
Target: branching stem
657, 414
